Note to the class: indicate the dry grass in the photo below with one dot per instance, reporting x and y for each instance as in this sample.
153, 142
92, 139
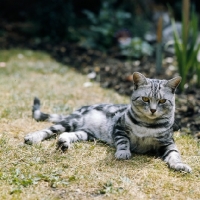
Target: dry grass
88, 170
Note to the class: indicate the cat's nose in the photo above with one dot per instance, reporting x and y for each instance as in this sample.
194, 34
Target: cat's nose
153, 110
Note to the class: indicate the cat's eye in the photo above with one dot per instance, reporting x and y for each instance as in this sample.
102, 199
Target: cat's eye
162, 100
145, 99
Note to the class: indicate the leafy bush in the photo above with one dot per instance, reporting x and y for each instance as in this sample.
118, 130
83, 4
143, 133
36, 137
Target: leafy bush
136, 48
103, 26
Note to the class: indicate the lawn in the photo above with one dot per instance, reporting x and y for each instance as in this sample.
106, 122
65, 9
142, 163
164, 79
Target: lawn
89, 169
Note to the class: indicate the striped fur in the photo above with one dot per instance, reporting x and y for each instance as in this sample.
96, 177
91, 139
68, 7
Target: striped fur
145, 125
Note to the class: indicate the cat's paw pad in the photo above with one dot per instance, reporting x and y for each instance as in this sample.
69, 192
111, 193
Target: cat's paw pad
181, 167
32, 138
123, 154
63, 142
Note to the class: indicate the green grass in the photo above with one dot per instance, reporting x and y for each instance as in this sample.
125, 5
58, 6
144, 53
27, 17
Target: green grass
89, 169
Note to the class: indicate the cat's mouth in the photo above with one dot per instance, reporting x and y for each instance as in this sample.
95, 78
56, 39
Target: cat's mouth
152, 116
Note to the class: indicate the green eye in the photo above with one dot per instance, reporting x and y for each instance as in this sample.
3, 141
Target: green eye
145, 99
162, 100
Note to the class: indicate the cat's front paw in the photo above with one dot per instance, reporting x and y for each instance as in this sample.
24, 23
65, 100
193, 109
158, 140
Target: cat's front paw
181, 167
123, 154
63, 142
32, 138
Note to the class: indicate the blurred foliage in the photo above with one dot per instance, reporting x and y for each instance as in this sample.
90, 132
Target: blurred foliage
186, 50
136, 48
92, 24
110, 19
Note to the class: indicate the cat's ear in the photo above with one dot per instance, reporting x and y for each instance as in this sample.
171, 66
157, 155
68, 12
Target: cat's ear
139, 79
173, 83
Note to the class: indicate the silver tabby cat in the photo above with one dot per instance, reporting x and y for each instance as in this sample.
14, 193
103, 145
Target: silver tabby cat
145, 125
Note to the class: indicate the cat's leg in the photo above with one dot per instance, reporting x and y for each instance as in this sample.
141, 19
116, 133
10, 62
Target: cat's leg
66, 125
122, 144
123, 147
172, 157
65, 139
41, 135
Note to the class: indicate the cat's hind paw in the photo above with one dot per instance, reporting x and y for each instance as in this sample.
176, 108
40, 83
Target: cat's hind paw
181, 167
123, 154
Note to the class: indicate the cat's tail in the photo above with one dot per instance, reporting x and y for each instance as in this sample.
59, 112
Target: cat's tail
40, 116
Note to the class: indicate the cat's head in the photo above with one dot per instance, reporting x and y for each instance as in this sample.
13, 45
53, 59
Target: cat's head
153, 98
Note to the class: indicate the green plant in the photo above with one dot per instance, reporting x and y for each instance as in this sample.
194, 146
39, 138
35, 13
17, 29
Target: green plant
198, 71
109, 188
103, 26
136, 48
186, 48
